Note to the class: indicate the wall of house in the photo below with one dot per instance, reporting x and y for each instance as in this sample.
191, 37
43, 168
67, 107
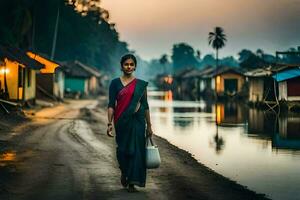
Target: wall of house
93, 85
289, 90
282, 88
11, 79
59, 84
293, 89
76, 85
256, 89
30, 84
45, 81
219, 81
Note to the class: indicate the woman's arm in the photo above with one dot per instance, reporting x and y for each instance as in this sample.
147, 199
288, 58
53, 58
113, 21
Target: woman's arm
147, 115
110, 114
110, 108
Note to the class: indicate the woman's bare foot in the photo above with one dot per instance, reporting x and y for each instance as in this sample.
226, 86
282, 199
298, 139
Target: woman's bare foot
131, 188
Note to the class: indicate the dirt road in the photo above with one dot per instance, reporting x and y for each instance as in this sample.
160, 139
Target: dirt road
64, 153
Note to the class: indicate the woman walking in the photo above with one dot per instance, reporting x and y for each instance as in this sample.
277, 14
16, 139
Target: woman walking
128, 109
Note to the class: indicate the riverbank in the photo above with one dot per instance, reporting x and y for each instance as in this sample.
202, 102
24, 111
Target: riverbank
64, 153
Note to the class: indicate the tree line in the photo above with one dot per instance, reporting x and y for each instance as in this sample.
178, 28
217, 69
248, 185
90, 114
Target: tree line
63, 30
183, 56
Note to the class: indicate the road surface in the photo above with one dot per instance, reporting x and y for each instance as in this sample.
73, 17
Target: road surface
64, 153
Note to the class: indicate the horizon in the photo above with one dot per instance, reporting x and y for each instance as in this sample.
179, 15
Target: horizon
271, 29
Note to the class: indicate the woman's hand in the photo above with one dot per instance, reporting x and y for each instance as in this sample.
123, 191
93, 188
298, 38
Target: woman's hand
109, 130
149, 131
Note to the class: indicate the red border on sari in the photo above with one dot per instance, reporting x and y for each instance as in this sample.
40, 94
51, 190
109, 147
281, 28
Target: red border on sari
124, 98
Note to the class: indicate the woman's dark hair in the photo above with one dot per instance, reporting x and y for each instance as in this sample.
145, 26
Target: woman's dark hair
126, 57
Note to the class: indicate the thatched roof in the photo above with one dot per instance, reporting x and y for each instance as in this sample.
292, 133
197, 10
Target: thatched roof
80, 70
15, 54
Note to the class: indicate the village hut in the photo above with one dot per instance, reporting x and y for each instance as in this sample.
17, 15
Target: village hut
50, 80
288, 80
261, 85
18, 75
228, 81
81, 79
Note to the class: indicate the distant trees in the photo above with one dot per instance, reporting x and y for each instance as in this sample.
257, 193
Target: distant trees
183, 55
291, 58
84, 32
217, 40
163, 61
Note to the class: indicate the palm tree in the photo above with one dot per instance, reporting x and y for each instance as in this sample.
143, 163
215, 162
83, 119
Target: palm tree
217, 40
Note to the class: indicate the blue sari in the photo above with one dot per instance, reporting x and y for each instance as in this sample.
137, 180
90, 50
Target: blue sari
131, 131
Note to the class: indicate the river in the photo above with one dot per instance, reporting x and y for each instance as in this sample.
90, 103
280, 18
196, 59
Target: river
258, 149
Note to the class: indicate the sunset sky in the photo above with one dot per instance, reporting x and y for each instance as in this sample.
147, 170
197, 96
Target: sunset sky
151, 27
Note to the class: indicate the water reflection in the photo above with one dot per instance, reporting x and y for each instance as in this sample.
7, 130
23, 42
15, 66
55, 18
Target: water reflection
261, 124
253, 147
230, 114
217, 142
288, 135
8, 156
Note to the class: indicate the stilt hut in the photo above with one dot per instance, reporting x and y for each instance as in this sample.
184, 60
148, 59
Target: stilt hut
261, 85
288, 81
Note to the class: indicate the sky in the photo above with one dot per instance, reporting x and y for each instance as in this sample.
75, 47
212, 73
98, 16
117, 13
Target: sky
151, 27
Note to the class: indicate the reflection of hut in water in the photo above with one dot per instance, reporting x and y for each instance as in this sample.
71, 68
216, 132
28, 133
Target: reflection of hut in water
228, 82
288, 136
261, 123
230, 114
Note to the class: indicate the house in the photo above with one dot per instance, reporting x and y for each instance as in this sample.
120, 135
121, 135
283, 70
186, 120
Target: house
18, 75
182, 88
288, 80
199, 81
81, 79
205, 83
228, 81
50, 80
261, 85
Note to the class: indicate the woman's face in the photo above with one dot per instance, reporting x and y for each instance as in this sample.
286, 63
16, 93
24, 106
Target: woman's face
128, 66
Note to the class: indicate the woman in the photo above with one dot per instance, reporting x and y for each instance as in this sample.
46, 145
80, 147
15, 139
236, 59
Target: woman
128, 108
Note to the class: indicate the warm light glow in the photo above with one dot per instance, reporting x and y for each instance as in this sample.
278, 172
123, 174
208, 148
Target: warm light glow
8, 156
4, 71
219, 114
168, 96
168, 79
218, 79
49, 65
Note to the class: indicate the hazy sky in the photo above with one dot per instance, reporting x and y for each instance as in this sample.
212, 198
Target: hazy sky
151, 27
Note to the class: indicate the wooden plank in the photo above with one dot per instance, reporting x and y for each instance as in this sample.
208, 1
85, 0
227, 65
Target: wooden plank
9, 102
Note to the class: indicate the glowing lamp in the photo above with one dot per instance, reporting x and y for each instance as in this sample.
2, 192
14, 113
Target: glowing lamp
4, 71
218, 80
